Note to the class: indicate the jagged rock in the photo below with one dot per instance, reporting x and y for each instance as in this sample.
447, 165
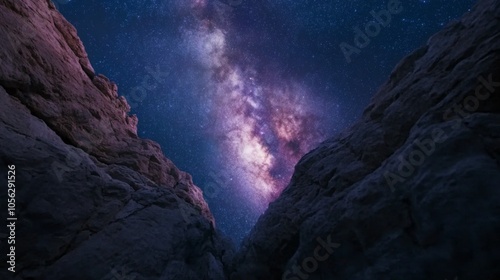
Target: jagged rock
47, 69
440, 218
93, 200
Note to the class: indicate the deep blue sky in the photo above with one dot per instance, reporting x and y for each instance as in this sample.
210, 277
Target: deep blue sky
244, 90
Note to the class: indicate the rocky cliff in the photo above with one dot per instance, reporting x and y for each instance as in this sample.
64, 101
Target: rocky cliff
93, 200
409, 192
412, 190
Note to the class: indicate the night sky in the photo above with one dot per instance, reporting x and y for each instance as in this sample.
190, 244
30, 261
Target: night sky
236, 91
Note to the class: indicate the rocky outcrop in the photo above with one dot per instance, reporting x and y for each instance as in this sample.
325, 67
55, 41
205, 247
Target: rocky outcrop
409, 192
93, 200
47, 69
412, 190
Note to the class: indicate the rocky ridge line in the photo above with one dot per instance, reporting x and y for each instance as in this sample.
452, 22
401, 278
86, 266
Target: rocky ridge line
378, 204
93, 200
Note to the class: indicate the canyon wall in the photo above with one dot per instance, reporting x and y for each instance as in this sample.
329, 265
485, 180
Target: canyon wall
93, 200
412, 190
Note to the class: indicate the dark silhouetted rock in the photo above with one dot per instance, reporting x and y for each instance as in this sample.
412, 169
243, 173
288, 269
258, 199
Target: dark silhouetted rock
409, 192
439, 219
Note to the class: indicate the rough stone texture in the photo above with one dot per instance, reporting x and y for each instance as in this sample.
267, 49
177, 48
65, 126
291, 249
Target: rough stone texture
93, 200
442, 220
96, 202
47, 69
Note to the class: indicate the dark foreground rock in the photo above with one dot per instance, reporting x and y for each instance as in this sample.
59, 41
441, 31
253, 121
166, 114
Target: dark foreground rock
412, 191
93, 200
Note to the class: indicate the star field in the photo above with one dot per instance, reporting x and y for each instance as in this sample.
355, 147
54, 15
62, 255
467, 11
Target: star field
237, 93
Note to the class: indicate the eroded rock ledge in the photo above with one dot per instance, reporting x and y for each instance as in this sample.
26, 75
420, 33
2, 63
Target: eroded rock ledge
94, 200
355, 210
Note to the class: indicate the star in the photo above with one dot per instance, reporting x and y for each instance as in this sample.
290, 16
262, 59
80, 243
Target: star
251, 87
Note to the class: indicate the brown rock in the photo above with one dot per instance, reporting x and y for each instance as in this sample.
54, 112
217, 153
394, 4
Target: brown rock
93, 200
47, 69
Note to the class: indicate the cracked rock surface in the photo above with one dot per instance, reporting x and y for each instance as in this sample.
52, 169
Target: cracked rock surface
409, 192
439, 218
93, 200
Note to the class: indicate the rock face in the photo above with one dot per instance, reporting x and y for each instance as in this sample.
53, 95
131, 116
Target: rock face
93, 200
409, 192
412, 190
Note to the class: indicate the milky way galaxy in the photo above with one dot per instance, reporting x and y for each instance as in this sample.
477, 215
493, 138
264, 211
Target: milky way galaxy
249, 86
263, 124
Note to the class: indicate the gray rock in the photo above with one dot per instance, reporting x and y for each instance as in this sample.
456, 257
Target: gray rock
94, 201
439, 219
